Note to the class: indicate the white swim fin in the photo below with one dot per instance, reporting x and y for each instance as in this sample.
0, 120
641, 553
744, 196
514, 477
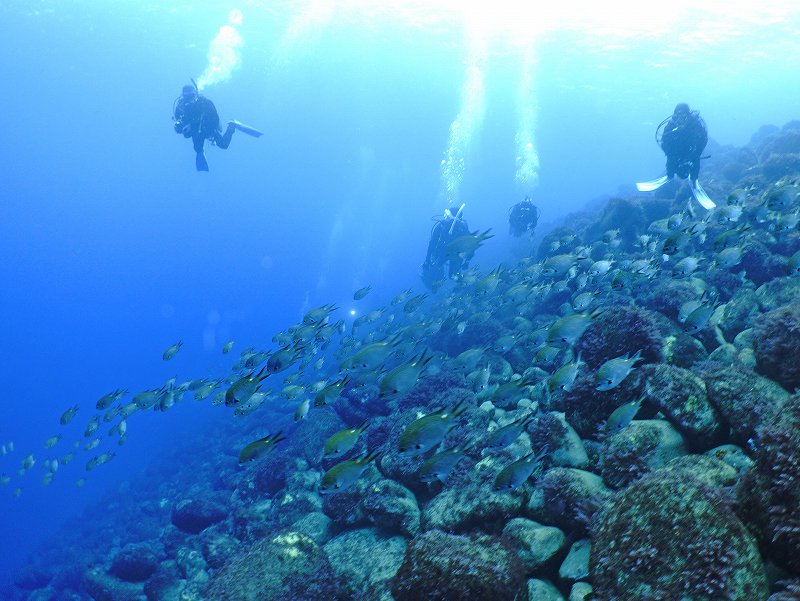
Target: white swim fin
701, 197
652, 185
246, 129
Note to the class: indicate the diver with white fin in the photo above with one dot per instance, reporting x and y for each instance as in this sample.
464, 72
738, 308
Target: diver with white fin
196, 117
683, 137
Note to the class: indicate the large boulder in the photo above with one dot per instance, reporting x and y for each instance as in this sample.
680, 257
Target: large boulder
682, 397
286, 566
777, 345
671, 536
365, 562
135, 562
440, 566
194, 515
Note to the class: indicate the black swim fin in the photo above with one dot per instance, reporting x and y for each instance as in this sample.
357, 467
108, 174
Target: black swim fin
200, 162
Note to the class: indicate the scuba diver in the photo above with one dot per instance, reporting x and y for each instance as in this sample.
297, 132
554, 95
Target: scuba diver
196, 117
683, 137
444, 231
523, 217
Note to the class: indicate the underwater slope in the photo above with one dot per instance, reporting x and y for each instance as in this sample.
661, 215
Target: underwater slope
616, 414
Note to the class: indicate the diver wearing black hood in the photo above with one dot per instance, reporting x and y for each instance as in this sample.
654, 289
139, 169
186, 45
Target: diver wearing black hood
523, 217
683, 137
196, 117
683, 140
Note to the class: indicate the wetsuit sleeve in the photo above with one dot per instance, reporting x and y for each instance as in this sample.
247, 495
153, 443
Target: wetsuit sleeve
700, 138
178, 116
669, 139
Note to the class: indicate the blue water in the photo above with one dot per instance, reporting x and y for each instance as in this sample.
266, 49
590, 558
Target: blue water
114, 247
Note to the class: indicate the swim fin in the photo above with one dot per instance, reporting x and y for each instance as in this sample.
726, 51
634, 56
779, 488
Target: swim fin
652, 185
246, 129
200, 162
701, 196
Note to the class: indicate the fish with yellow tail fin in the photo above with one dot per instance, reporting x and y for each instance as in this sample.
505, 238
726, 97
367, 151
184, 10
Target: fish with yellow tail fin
466, 245
343, 475
243, 388
344, 440
504, 436
516, 474
622, 416
259, 448
439, 466
614, 371
428, 431
402, 378
331, 392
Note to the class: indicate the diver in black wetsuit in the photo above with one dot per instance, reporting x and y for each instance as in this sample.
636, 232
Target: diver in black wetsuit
683, 140
683, 137
438, 260
196, 117
523, 217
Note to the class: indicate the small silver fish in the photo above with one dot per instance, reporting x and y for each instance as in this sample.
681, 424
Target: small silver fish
439, 466
517, 473
622, 416
343, 475
614, 371
564, 377
344, 440
259, 448
361, 292
502, 437
428, 431
172, 351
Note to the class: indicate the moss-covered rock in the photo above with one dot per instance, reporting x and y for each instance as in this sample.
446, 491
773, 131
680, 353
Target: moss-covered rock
135, 562
741, 397
670, 536
586, 408
103, 587
682, 350
619, 330
681, 396
391, 507
776, 336
286, 566
536, 545
196, 514
217, 547
567, 497
552, 432
440, 567
473, 504
642, 447
365, 563
773, 494
316, 525
540, 590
